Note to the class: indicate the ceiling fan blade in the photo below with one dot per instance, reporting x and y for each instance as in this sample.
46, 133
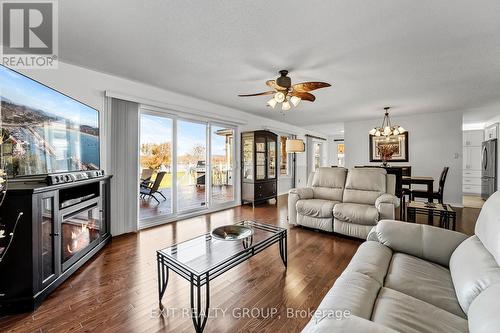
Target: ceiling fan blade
274, 85
305, 96
259, 94
309, 86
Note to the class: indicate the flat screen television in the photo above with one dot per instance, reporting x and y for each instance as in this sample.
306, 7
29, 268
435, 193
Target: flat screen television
43, 130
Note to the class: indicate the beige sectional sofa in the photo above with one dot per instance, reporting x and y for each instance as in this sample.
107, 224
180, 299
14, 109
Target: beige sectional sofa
348, 202
417, 278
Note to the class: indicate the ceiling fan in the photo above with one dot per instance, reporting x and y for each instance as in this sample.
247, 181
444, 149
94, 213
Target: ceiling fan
287, 94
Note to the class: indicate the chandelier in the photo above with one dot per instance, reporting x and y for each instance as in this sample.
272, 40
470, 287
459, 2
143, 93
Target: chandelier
387, 129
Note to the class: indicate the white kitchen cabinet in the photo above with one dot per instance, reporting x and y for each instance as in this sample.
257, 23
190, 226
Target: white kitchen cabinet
471, 189
473, 138
491, 132
472, 150
472, 158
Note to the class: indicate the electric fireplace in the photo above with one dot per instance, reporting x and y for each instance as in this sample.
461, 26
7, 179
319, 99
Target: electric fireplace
80, 232
62, 227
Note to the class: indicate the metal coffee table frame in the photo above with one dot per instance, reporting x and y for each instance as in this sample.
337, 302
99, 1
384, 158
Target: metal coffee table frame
200, 279
445, 213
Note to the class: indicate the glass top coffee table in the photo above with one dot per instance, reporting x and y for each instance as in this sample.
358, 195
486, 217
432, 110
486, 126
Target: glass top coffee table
201, 259
445, 213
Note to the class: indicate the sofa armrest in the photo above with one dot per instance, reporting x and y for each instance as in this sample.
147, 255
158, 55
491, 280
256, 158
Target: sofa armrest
420, 240
302, 192
386, 205
387, 199
294, 195
350, 324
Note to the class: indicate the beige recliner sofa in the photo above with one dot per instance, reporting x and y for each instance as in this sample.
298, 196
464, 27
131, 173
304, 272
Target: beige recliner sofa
417, 278
348, 202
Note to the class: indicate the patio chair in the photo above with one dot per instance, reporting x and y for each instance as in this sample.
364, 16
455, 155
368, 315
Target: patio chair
150, 188
146, 174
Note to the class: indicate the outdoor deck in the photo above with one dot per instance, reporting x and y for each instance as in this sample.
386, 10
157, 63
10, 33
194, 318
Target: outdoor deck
190, 197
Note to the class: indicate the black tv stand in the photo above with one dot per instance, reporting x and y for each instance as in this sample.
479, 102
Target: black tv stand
62, 226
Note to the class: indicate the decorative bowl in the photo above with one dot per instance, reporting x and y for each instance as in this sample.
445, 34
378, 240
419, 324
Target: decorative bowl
232, 232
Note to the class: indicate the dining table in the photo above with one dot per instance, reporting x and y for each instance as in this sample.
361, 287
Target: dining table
419, 180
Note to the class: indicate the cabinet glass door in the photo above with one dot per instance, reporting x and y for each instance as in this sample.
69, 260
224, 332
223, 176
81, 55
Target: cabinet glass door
48, 233
260, 156
247, 157
271, 157
103, 209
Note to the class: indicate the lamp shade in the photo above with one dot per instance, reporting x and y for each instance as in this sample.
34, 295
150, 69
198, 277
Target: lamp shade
295, 100
295, 146
272, 102
286, 106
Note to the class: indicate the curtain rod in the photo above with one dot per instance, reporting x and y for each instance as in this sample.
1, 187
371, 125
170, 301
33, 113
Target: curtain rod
315, 137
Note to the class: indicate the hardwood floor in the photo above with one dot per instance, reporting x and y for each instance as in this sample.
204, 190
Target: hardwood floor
117, 290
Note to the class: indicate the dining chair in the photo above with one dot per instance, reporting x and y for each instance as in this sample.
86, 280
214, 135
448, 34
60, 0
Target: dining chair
438, 195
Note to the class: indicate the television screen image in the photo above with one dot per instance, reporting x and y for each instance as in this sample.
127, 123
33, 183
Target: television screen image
43, 130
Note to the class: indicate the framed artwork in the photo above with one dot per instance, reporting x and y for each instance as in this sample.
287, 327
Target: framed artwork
398, 142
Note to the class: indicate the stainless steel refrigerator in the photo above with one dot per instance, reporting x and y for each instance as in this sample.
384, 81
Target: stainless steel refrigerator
489, 169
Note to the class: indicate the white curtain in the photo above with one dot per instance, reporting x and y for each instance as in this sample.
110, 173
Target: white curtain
122, 158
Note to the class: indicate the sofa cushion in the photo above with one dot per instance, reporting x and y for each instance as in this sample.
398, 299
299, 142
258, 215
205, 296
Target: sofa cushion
351, 229
408, 314
316, 207
365, 185
372, 259
352, 291
320, 223
473, 269
351, 324
356, 213
328, 183
419, 240
424, 280
487, 227
329, 177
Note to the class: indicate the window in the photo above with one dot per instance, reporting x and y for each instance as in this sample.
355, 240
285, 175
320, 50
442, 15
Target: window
317, 155
283, 157
340, 154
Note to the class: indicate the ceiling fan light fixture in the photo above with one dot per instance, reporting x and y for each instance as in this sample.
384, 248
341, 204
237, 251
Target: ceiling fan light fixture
286, 106
295, 100
289, 95
272, 102
279, 97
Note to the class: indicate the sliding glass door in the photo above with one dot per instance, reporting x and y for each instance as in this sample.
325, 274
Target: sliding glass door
191, 165
155, 158
185, 166
221, 162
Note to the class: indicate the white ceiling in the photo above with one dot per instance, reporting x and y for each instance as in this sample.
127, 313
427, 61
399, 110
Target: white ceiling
417, 56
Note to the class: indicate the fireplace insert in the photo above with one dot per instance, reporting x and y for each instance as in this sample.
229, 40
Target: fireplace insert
80, 232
